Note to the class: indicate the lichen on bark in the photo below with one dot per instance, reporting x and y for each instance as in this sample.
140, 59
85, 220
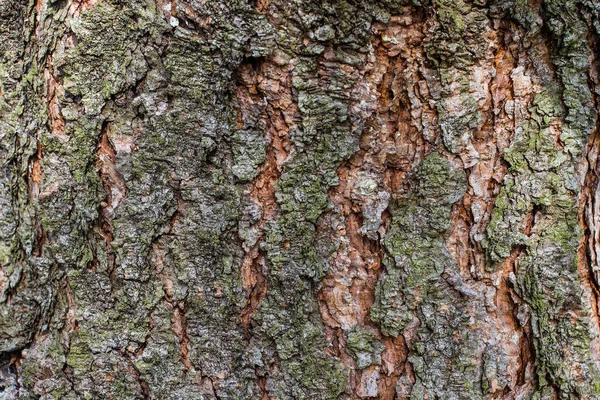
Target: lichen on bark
298, 199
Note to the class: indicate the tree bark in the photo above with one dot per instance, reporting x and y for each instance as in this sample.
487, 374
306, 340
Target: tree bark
299, 199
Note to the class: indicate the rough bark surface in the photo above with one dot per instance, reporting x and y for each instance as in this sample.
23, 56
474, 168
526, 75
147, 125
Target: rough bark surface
299, 199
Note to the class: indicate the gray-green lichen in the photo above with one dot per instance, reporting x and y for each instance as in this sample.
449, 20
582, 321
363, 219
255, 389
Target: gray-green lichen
364, 347
458, 50
415, 242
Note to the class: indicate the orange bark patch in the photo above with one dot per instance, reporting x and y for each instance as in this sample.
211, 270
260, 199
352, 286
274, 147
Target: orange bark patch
264, 88
72, 307
114, 185
35, 174
53, 90
179, 327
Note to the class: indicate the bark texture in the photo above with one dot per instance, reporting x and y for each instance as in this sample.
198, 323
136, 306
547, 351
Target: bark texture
299, 199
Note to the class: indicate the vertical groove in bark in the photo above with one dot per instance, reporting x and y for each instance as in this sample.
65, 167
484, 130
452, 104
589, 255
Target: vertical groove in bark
113, 183
391, 145
509, 330
266, 103
179, 327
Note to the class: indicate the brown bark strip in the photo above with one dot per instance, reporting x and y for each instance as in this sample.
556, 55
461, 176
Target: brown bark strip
512, 318
71, 307
262, 384
115, 189
180, 330
264, 88
113, 182
254, 282
178, 321
35, 174
34, 180
490, 139
54, 90
179, 325
395, 140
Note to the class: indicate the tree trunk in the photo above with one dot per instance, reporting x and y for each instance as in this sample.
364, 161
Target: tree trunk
299, 199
